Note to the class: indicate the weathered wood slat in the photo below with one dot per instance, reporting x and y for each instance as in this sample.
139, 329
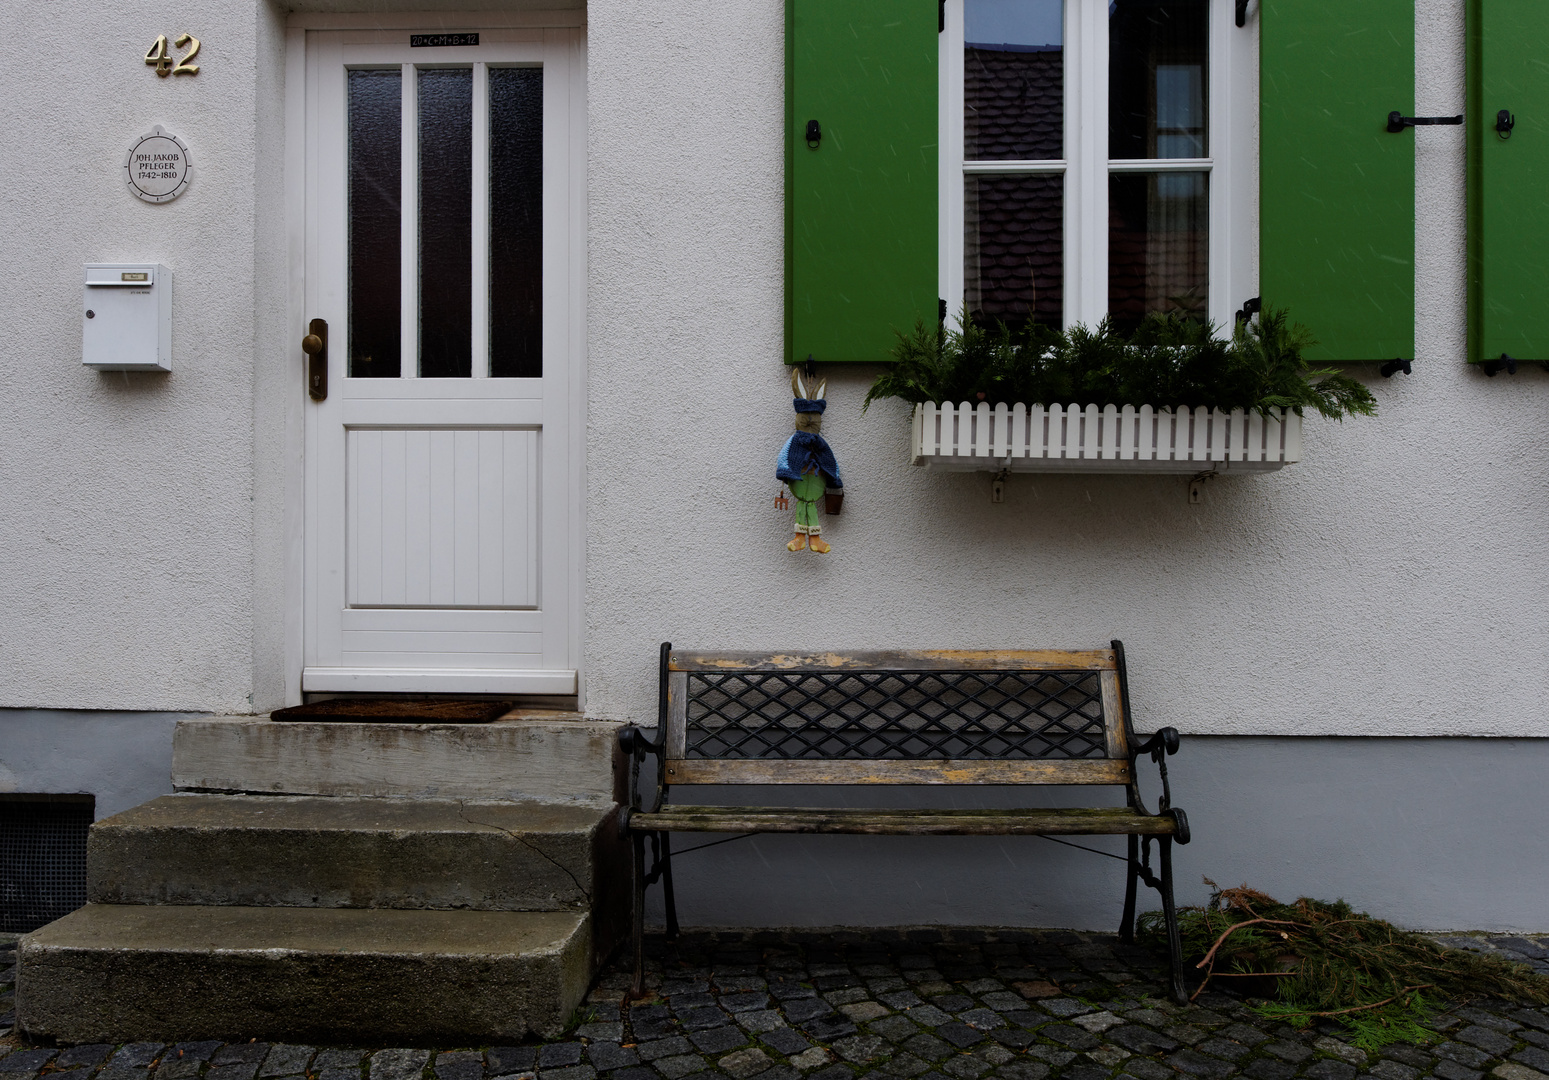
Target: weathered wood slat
898, 660
1113, 715
890, 771
1087, 821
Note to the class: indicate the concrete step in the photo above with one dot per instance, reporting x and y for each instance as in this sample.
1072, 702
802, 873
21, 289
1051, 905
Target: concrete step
118, 973
309, 851
546, 757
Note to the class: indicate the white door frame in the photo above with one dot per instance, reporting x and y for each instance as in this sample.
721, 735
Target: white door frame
569, 499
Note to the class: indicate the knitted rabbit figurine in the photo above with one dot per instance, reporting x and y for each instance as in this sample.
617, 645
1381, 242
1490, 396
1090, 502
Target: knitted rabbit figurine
807, 465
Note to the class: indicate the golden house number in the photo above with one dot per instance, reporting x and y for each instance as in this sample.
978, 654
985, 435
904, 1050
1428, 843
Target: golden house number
159, 59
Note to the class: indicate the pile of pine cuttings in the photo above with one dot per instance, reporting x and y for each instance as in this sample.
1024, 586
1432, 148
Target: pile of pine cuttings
1316, 959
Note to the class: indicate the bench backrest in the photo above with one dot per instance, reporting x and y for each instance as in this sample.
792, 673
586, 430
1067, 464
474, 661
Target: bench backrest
931, 717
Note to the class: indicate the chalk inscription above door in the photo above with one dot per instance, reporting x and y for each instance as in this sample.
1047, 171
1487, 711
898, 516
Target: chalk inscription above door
444, 201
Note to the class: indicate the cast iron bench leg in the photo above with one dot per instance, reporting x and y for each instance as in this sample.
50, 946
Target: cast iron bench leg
668, 896
1170, 913
1132, 876
637, 842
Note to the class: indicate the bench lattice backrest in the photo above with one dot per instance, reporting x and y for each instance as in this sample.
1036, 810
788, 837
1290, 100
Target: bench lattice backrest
1035, 717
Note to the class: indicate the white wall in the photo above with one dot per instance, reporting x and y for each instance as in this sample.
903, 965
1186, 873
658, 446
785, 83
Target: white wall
126, 499
1388, 584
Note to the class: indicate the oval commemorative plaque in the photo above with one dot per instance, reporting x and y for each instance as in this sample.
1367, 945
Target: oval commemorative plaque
156, 167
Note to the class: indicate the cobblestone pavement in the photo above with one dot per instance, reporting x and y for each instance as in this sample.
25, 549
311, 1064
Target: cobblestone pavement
915, 1005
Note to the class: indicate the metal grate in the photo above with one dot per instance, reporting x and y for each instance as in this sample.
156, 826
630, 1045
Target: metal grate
908, 715
42, 859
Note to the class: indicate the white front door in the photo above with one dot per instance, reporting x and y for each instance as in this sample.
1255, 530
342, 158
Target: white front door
443, 248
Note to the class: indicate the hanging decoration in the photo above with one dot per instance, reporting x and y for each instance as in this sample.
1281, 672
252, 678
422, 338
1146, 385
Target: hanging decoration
807, 466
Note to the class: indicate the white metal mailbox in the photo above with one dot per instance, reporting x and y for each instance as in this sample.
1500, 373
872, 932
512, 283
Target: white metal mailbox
126, 319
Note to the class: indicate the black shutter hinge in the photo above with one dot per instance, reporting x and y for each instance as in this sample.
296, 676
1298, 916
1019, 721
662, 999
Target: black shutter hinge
1242, 12
941, 309
941, 15
1394, 366
1398, 122
1504, 122
1493, 367
1250, 307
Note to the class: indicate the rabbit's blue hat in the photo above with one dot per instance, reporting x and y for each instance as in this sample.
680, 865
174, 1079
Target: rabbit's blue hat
816, 405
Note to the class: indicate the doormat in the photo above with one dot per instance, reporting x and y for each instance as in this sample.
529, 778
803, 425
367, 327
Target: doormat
396, 711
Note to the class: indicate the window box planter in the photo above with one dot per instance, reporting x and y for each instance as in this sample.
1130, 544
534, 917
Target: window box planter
1053, 438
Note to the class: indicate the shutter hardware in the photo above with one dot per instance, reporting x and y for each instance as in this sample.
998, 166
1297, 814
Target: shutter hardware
1394, 366
814, 134
1493, 367
1250, 307
1398, 122
1242, 12
1504, 122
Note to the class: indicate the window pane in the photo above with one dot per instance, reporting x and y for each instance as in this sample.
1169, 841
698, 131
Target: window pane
446, 222
375, 230
1158, 245
1013, 79
1157, 74
1014, 248
516, 222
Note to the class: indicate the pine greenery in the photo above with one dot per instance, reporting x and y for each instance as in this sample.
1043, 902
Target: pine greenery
1170, 360
1315, 959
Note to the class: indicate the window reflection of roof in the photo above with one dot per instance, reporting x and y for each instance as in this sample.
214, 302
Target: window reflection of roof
1006, 46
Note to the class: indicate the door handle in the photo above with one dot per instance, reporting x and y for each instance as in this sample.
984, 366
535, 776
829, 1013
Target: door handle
315, 345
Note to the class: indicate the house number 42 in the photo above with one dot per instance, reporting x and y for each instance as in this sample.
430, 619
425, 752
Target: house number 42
158, 58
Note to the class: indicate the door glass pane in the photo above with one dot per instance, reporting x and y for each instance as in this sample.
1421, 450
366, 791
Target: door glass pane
446, 222
1013, 79
1158, 245
375, 230
1157, 74
516, 222
1014, 247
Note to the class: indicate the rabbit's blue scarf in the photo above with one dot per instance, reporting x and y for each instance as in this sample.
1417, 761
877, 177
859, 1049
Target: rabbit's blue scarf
803, 453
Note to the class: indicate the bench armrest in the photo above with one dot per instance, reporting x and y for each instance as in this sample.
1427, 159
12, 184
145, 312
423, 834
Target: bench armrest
1160, 746
633, 741
1164, 740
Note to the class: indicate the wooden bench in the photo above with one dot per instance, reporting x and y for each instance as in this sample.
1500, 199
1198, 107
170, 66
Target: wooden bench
1046, 717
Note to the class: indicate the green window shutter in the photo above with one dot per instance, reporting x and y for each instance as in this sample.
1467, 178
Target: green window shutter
1508, 213
1336, 189
860, 209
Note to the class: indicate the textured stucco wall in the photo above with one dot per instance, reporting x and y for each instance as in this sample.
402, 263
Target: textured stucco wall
126, 499
1388, 584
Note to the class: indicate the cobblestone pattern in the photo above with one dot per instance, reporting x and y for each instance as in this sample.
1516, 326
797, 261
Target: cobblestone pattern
910, 1005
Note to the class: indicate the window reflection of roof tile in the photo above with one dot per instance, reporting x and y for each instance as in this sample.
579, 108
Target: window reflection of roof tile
1013, 101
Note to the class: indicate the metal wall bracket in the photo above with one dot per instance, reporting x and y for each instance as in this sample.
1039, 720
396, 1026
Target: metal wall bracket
998, 486
1394, 366
1397, 121
1197, 487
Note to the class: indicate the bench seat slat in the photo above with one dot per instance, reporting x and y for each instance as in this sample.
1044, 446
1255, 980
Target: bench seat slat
1089, 821
898, 660
897, 771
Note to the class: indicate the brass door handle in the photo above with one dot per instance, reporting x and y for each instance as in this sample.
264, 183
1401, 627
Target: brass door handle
315, 345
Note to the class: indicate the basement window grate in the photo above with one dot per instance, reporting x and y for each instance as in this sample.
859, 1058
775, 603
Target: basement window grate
42, 858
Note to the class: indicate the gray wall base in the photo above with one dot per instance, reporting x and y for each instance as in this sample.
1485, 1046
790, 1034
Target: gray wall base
123, 758
1432, 834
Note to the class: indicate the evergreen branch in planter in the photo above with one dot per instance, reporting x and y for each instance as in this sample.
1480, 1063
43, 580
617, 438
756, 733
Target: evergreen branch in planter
1168, 360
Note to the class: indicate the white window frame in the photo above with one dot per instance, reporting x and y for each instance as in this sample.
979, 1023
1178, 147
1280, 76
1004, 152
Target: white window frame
1233, 164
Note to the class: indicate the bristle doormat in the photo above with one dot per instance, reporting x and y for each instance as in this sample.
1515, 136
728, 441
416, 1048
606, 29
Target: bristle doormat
396, 711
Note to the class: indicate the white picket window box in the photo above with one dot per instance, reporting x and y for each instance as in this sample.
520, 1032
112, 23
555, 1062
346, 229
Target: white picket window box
1055, 438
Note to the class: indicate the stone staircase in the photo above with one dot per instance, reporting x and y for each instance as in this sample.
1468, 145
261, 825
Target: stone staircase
345, 883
